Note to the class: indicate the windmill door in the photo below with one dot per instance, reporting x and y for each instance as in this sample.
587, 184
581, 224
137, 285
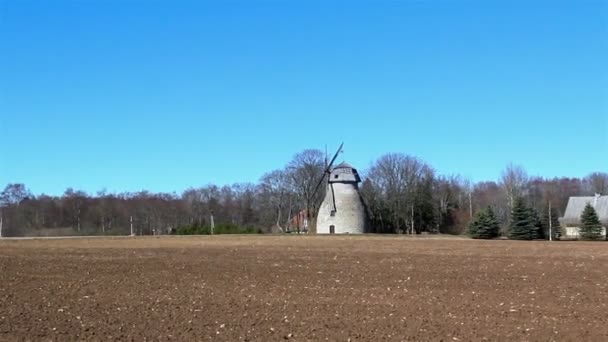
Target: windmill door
332, 229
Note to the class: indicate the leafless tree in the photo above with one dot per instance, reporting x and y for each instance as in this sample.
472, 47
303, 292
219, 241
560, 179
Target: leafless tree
73, 202
274, 187
596, 183
400, 180
514, 181
14, 194
304, 172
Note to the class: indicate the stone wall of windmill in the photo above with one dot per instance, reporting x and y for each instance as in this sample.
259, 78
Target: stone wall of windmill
342, 210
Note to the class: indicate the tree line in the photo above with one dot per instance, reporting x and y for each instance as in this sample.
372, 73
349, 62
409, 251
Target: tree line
526, 224
403, 194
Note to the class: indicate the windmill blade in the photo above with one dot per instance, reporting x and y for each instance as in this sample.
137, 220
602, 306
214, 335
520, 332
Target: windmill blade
334, 158
318, 185
327, 169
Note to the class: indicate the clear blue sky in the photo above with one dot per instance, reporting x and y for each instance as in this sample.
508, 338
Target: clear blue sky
164, 95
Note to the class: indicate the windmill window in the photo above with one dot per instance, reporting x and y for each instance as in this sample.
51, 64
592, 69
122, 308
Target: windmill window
336, 176
332, 213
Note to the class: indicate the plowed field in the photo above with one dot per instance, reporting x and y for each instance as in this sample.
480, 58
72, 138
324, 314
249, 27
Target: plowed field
302, 288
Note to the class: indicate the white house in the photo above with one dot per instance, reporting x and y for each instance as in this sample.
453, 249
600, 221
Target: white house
571, 221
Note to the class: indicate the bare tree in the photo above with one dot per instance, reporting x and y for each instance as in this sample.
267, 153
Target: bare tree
514, 181
403, 184
274, 186
304, 172
14, 194
73, 202
18, 215
245, 202
454, 203
192, 199
596, 183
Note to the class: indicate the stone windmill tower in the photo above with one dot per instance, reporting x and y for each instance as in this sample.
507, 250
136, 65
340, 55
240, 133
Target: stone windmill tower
342, 210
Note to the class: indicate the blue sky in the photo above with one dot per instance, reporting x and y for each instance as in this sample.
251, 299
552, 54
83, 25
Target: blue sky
164, 95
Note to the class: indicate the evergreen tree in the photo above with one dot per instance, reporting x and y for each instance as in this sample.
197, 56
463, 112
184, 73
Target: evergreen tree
536, 222
523, 225
591, 228
484, 225
555, 226
492, 227
473, 228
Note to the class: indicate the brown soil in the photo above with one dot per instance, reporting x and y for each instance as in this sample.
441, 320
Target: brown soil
302, 288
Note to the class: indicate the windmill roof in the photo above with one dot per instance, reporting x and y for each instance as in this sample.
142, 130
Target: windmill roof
575, 207
343, 165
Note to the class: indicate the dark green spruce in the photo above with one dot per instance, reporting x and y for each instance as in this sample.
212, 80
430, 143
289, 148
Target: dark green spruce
484, 225
591, 228
523, 224
537, 222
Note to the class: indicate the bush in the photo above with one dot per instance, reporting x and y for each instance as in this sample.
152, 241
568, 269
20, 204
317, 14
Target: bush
196, 229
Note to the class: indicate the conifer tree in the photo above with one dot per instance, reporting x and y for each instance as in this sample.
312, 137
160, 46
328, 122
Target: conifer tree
473, 228
536, 222
484, 225
591, 228
522, 226
492, 226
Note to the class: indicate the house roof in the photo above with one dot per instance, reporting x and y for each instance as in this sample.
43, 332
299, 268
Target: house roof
575, 207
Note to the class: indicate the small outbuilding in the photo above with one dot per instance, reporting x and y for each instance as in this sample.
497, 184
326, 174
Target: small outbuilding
571, 221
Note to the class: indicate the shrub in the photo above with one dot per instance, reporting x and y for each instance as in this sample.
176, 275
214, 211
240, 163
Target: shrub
196, 229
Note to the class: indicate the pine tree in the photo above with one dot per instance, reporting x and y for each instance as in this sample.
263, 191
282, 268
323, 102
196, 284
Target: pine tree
522, 226
536, 222
492, 226
555, 226
591, 228
473, 229
484, 225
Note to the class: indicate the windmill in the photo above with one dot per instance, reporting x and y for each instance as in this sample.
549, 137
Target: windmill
342, 210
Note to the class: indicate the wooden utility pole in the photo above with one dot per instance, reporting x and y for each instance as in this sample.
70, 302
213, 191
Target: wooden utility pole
131, 223
412, 227
470, 206
550, 224
212, 223
79, 220
0, 225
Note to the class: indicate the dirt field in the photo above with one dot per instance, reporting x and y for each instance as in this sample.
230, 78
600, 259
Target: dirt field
269, 288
